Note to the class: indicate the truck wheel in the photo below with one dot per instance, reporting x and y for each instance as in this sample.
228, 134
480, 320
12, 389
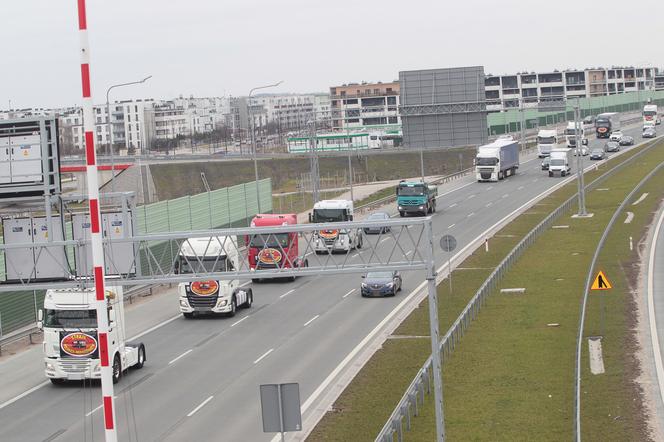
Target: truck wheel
550, 174
141, 357
562, 173
188, 315
433, 209
233, 307
117, 369
58, 381
250, 299
255, 280
500, 175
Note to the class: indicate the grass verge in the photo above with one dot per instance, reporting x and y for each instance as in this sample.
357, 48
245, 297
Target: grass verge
475, 406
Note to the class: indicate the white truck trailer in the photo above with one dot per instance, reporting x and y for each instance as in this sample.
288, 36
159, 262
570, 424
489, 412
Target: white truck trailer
497, 160
335, 240
208, 255
547, 139
561, 162
71, 343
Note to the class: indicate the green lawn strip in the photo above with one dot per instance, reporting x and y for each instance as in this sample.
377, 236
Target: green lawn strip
362, 409
611, 403
512, 377
298, 203
383, 193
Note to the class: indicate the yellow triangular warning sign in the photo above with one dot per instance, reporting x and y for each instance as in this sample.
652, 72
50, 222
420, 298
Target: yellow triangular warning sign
601, 282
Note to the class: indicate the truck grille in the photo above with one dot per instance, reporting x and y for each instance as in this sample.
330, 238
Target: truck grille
410, 202
202, 301
75, 366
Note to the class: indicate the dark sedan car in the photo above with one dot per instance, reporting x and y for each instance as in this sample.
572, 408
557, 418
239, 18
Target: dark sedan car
546, 162
649, 133
612, 146
378, 216
381, 284
626, 140
597, 154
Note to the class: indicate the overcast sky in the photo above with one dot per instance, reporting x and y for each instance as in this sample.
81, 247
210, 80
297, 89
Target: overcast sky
220, 47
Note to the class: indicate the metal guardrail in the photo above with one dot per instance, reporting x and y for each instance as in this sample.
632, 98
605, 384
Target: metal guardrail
589, 280
414, 395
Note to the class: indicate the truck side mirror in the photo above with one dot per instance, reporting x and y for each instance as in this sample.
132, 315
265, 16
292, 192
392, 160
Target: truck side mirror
397, 191
40, 319
585, 142
311, 218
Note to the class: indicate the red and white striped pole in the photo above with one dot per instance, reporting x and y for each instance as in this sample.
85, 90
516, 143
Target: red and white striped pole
95, 230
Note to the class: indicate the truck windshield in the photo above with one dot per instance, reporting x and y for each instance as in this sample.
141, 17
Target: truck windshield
557, 162
411, 191
487, 161
546, 140
649, 113
329, 215
202, 265
602, 123
570, 132
70, 318
274, 240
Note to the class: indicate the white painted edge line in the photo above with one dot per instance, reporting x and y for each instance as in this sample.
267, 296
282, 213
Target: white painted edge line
311, 320
287, 293
654, 337
237, 322
630, 217
397, 309
181, 356
348, 294
264, 356
192, 412
24, 394
641, 198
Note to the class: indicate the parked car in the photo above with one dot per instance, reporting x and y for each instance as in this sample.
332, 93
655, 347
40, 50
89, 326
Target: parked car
381, 284
378, 216
616, 135
597, 154
626, 140
649, 133
545, 163
612, 146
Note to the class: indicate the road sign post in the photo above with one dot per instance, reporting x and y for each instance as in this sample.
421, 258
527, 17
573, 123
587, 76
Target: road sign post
448, 243
280, 408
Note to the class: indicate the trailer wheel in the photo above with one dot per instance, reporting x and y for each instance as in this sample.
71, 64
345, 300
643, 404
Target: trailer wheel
117, 369
141, 357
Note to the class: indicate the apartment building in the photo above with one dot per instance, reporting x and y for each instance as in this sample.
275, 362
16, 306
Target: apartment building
361, 105
528, 88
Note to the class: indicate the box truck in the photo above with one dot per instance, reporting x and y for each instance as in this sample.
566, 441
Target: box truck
561, 162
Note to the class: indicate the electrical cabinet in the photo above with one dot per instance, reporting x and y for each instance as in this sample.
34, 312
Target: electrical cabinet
5, 161
34, 263
25, 158
118, 256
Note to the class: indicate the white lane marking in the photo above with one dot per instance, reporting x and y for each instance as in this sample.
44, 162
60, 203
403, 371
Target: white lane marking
24, 394
408, 253
192, 412
454, 190
264, 356
519, 188
181, 356
311, 320
93, 411
384, 239
654, 337
452, 205
237, 322
348, 294
489, 204
489, 188
245, 283
471, 214
641, 198
151, 329
287, 293
450, 226
535, 180
506, 195
630, 217
471, 196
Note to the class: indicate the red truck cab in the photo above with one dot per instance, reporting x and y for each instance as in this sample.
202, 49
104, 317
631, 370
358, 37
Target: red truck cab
270, 251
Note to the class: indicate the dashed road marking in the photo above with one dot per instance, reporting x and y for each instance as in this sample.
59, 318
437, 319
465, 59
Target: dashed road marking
264, 356
192, 412
181, 356
311, 320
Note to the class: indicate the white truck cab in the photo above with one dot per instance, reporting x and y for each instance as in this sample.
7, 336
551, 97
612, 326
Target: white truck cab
207, 255
561, 160
71, 346
335, 240
570, 137
547, 139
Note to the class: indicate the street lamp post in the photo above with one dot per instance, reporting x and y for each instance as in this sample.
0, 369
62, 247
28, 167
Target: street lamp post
110, 125
253, 137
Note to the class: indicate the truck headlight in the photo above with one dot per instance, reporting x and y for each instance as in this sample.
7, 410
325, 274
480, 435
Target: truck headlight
184, 303
222, 303
49, 366
421, 207
400, 208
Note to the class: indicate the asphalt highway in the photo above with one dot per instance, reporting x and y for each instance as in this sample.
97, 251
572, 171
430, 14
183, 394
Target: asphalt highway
201, 380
